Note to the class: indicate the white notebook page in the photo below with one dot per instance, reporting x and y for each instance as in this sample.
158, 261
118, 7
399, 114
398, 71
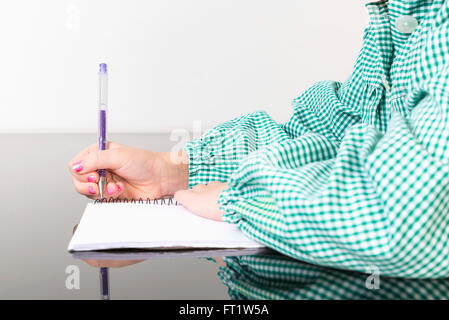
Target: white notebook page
152, 226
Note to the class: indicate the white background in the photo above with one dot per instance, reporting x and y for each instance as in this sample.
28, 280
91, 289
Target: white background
171, 62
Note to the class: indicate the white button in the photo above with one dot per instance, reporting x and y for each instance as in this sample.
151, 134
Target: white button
406, 24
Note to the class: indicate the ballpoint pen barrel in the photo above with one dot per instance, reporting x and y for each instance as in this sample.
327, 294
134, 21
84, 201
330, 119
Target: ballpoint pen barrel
102, 120
102, 146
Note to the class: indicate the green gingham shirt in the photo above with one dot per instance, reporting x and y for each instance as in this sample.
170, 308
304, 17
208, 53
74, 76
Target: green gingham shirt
359, 176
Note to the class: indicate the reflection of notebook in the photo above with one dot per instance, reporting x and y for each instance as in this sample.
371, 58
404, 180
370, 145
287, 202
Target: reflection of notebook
154, 226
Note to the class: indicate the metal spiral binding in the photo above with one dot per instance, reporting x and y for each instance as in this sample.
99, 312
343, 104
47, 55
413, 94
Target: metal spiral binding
166, 201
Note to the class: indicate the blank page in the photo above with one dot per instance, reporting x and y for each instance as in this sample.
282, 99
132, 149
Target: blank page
152, 226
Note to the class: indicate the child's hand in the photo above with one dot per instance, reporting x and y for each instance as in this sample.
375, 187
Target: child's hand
132, 173
202, 199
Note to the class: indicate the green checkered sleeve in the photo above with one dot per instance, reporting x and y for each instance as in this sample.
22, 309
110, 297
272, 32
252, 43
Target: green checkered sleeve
216, 155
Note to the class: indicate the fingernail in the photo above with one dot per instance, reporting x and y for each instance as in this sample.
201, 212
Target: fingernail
110, 190
119, 188
91, 190
77, 166
91, 179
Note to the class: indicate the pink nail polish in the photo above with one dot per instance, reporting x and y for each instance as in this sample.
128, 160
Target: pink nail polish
110, 190
78, 166
91, 178
91, 190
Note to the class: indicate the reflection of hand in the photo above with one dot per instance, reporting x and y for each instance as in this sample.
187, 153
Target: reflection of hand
220, 261
278, 277
109, 263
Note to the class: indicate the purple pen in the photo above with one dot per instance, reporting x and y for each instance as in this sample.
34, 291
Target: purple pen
103, 102
102, 142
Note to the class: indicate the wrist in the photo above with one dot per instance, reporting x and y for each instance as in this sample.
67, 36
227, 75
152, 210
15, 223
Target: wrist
177, 177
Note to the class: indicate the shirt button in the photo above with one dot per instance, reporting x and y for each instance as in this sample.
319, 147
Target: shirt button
406, 24
385, 82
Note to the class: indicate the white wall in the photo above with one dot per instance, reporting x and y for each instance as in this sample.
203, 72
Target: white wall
171, 62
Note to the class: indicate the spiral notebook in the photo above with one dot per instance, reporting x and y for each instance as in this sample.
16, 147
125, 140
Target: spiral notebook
152, 225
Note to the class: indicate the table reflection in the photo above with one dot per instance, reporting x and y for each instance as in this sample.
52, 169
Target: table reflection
265, 274
275, 276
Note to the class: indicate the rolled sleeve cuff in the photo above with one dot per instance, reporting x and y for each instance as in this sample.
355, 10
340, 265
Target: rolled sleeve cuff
226, 205
207, 164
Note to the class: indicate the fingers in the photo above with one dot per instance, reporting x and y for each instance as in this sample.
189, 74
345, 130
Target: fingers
185, 198
91, 161
114, 189
215, 183
199, 188
202, 187
88, 189
111, 189
92, 177
91, 189
85, 164
192, 200
188, 198
202, 200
